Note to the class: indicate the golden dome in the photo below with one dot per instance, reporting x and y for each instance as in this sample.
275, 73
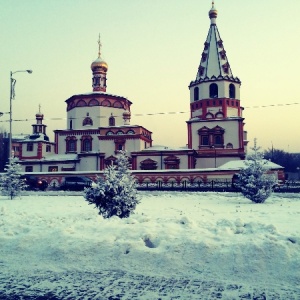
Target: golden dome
99, 63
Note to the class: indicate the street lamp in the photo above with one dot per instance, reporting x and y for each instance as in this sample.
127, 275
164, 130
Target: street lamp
12, 96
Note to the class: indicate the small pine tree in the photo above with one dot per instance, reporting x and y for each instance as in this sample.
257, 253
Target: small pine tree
116, 193
253, 181
10, 182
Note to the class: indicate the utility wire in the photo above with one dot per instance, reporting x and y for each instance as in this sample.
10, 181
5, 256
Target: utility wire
146, 114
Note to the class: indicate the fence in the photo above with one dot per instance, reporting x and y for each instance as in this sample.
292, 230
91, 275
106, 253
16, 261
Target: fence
211, 186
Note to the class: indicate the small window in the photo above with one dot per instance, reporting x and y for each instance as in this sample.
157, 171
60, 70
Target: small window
71, 124
213, 91
29, 169
30, 147
109, 133
53, 169
48, 148
71, 144
111, 121
86, 145
87, 122
130, 132
218, 140
120, 147
120, 132
204, 140
231, 91
196, 93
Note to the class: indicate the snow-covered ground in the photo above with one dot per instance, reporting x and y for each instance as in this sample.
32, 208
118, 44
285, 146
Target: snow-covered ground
176, 246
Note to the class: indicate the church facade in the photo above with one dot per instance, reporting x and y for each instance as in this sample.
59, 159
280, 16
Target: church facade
99, 125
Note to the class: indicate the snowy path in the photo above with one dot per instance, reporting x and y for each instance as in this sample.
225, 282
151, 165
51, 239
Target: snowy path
115, 285
176, 246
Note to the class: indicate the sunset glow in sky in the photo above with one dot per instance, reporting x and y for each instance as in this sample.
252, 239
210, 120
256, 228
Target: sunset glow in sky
152, 49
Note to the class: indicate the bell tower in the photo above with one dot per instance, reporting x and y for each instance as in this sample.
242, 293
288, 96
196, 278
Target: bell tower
215, 127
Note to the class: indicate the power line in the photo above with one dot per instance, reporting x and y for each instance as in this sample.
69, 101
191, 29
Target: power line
148, 114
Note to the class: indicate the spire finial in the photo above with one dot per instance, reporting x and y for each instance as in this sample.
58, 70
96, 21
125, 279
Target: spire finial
213, 13
39, 108
99, 44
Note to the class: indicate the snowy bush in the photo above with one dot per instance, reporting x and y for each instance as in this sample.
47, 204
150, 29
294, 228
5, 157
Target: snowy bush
254, 181
10, 182
116, 193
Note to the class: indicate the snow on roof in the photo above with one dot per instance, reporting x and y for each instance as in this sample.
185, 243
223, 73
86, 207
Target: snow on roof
239, 164
97, 92
57, 157
36, 138
165, 148
20, 136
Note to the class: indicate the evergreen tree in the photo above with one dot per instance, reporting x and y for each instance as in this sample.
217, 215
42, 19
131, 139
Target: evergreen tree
254, 181
116, 193
10, 182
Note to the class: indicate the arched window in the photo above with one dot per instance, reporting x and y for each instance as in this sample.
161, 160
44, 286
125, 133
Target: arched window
111, 121
218, 140
94, 102
87, 121
71, 144
219, 115
231, 90
86, 145
81, 103
213, 91
196, 93
204, 140
209, 116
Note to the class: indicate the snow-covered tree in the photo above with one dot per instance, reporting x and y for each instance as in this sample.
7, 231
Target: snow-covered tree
254, 181
10, 182
116, 193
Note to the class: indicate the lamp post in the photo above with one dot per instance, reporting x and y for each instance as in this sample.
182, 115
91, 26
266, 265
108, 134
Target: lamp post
12, 96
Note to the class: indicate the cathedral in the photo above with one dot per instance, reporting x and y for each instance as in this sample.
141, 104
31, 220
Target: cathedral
99, 125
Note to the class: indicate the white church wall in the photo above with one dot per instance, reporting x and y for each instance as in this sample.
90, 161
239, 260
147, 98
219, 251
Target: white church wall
231, 134
223, 90
78, 114
159, 158
27, 153
232, 112
89, 163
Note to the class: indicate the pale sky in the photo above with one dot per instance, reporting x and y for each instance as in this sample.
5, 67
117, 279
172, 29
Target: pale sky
153, 49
